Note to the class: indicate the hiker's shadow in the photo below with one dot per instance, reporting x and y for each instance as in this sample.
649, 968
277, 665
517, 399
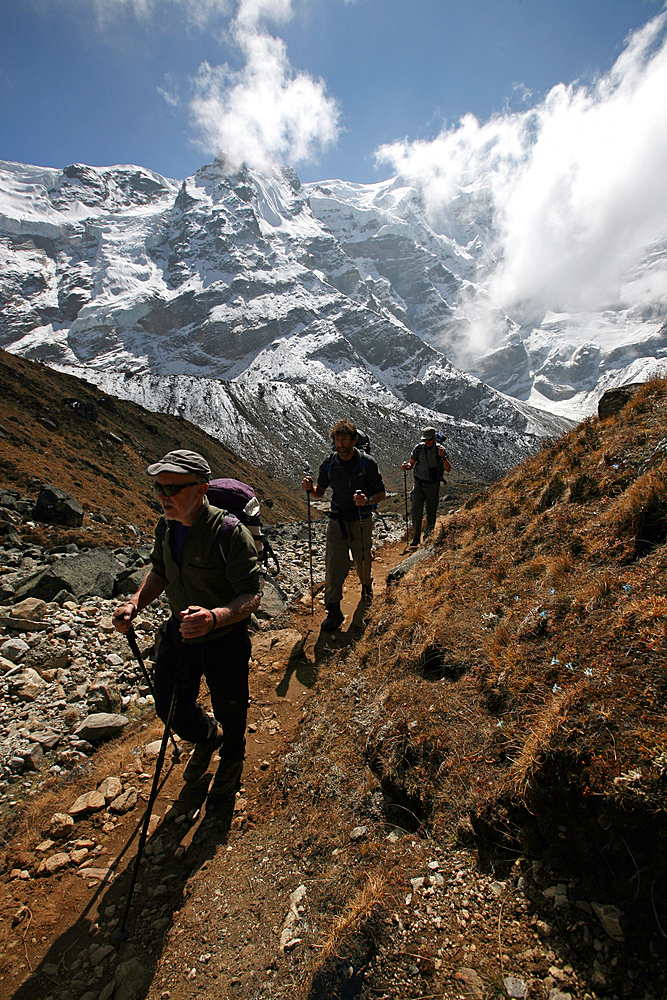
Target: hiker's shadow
305, 670
329, 643
164, 869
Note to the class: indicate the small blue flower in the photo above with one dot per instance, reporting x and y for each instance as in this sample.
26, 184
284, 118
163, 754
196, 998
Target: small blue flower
544, 614
568, 666
556, 688
554, 659
588, 672
552, 590
627, 588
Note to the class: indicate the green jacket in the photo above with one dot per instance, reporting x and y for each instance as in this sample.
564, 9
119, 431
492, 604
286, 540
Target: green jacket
207, 577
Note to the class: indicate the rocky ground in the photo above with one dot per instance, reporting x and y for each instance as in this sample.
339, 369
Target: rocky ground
249, 911
70, 663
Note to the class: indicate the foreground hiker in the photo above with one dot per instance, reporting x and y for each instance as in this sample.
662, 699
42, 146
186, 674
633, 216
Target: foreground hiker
205, 560
357, 487
429, 460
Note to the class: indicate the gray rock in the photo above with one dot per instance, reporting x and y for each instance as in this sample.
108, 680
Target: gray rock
14, 649
128, 581
274, 599
400, 569
55, 506
46, 738
110, 788
132, 979
125, 802
100, 726
32, 757
88, 802
28, 685
61, 826
515, 988
104, 696
610, 917
47, 654
614, 400
85, 574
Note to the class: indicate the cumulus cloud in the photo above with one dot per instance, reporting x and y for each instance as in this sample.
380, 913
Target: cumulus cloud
265, 112
576, 186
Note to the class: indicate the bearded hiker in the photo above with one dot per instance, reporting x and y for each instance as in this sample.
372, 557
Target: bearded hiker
357, 487
429, 460
206, 563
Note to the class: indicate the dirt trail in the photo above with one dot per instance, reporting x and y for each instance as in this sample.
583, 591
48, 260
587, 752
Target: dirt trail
210, 901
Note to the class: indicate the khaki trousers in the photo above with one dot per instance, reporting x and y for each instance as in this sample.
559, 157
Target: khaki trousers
337, 559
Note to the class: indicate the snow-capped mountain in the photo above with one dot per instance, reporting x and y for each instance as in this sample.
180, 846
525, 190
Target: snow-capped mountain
429, 269
258, 308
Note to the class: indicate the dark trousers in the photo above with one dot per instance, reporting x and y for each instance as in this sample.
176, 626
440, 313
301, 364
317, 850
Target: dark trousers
224, 664
424, 494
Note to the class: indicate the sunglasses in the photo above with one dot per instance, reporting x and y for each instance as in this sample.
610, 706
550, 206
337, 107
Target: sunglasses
171, 490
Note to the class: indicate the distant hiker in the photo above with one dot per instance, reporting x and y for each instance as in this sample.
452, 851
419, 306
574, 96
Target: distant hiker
429, 460
357, 487
205, 561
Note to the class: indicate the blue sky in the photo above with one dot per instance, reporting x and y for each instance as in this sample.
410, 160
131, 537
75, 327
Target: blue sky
160, 83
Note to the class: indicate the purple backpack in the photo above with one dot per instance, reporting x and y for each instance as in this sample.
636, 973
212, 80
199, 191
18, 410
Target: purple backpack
240, 500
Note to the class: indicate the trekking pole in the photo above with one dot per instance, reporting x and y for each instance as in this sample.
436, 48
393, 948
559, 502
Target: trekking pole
361, 532
310, 557
122, 934
131, 637
405, 490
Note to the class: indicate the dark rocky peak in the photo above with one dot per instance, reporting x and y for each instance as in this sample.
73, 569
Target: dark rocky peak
113, 187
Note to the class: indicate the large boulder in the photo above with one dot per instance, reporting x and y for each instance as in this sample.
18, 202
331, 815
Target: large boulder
86, 574
129, 581
614, 400
55, 506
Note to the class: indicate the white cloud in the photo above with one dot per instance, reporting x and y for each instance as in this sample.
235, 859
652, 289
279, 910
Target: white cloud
577, 185
264, 112
197, 13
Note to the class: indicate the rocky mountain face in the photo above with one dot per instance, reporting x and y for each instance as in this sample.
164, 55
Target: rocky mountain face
242, 303
430, 274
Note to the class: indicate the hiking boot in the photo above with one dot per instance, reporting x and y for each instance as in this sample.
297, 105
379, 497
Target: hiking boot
334, 618
226, 783
367, 594
201, 756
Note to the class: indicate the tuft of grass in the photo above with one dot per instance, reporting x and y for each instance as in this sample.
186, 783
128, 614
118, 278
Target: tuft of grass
558, 568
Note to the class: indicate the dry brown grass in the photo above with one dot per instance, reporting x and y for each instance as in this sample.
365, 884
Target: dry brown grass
559, 567
518, 673
373, 895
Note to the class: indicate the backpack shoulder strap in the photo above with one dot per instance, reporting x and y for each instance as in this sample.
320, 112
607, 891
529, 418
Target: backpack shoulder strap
225, 531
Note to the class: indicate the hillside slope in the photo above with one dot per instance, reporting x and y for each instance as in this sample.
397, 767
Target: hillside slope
58, 429
462, 795
510, 693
